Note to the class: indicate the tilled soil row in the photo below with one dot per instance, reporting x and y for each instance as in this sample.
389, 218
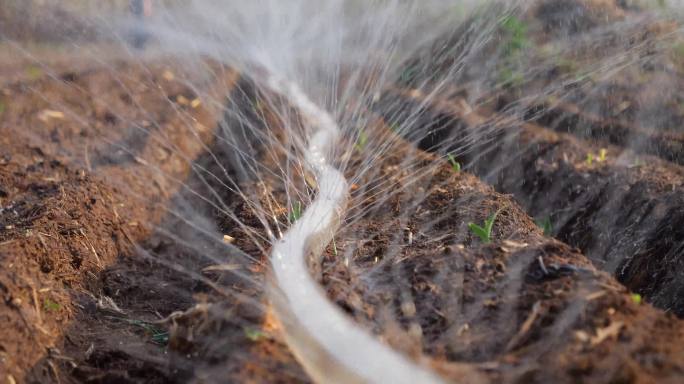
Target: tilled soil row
568, 117
71, 208
525, 307
405, 265
622, 209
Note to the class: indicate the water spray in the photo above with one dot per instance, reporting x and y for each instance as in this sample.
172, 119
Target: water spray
305, 311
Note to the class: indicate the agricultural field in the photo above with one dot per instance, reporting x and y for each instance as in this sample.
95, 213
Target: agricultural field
371, 192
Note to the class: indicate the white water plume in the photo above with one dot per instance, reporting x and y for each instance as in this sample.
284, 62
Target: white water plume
320, 75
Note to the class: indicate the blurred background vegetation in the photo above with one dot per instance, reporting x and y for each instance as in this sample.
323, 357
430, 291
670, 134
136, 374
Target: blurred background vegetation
54, 20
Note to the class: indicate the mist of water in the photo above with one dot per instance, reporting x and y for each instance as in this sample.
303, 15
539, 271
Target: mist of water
300, 146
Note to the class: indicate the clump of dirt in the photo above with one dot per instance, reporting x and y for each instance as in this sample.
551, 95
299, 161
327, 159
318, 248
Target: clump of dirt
57, 232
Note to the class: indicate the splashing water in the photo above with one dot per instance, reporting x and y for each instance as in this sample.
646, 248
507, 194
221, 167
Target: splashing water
313, 171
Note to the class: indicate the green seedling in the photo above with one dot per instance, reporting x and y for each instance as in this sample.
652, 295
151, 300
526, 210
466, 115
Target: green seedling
51, 306
603, 153
636, 298
516, 41
2, 107
485, 232
257, 105
509, 77
517, 35
590, 158
455, 165
361, 141
546, 226
409, 74
34, 72
254, 334
158, 336
295, 212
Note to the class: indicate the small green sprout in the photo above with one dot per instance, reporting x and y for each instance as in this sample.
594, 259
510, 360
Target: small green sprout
602, 155
295, 212
517, 34
455, 165
361, 141
409, 74
34, 72
512, 78
515, 42
334, 246
254, 334
51, 306
590, 158
158, 336
546, 226
484, 233
2, 107
636, 298
257, 105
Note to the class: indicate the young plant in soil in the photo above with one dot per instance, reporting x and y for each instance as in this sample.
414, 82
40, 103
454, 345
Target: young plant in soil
361, 141
254, 334
51, 306
546, 225
455, 165
484, 232
515, 32
295, 212
602, 155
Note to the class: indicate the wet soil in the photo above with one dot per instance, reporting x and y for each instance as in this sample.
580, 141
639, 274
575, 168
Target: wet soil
598, 161
77, 202
524, 308
103, 278
148, 313
621, 211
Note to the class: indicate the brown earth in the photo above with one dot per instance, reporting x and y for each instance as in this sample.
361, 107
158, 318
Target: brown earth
454, 299
81, 321
77, 198
622, 212
102, 279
